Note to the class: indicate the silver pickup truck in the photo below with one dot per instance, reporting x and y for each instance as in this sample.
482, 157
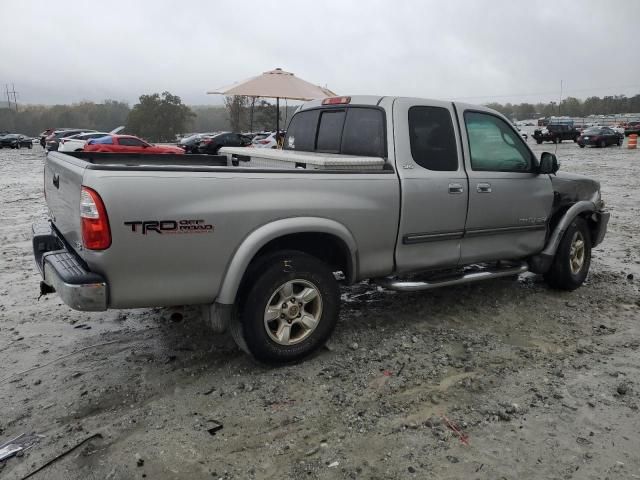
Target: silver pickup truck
410, 193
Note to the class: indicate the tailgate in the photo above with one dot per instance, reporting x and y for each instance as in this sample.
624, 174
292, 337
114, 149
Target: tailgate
62, 185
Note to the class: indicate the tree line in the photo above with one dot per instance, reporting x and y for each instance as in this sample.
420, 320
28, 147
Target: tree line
156, 117
571, 106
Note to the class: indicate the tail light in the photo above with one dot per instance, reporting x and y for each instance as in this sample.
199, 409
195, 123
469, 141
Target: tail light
336, 100
96, 234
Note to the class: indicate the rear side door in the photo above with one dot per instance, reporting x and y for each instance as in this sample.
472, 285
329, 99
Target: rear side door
433, 184
509, 202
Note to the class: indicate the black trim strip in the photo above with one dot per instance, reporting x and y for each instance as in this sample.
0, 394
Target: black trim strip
490, 231
413, 238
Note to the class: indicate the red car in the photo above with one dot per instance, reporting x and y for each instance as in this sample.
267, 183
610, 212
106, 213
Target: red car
127, 144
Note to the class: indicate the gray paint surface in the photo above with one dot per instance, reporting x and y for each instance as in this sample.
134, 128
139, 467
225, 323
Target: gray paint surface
372, 214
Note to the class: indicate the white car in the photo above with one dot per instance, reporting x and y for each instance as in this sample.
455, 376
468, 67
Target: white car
76, 143
264, 140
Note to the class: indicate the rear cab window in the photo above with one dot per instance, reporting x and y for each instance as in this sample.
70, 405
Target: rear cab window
352, 130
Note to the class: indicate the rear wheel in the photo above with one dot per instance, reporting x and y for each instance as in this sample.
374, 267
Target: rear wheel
571, 264
291, 309
538, 141
602, 144
581, 146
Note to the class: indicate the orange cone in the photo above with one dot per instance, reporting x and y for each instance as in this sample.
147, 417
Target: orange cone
633, 141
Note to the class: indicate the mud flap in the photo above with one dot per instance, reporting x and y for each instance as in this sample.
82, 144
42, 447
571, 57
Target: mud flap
217, 316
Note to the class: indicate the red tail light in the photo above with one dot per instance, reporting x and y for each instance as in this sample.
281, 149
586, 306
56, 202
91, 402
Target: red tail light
336, 100
96, 234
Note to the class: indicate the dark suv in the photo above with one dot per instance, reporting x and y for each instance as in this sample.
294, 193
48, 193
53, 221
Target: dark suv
556, 133
211, 145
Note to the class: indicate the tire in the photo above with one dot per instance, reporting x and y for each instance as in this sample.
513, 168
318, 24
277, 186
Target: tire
539, 142
581, 146
285, 338
30, 146
567, 272
602, 144
618, 142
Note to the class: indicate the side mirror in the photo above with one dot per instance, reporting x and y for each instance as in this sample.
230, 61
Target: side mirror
548, 163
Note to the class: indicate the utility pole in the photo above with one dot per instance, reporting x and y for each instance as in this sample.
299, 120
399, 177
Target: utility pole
15, 100
6, 87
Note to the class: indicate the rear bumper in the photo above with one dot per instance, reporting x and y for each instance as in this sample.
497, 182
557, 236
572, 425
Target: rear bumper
65, 274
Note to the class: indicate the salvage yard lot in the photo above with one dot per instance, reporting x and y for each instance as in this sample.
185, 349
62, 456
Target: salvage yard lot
539, 383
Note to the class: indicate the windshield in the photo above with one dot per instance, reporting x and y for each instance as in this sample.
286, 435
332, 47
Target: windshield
592, 131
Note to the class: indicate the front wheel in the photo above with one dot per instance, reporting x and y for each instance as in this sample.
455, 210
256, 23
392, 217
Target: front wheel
602, 144
291, 309
581, 146
539, 141
571, 264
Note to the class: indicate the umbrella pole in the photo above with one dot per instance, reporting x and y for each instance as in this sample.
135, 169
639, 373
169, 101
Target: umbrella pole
278, 121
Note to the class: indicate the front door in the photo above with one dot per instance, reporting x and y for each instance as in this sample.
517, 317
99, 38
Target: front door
433, 185
508, 200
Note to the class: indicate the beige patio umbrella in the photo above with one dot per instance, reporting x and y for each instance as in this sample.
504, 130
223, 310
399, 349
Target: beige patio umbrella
276, 84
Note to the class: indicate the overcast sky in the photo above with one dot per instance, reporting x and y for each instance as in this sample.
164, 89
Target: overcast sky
480, 51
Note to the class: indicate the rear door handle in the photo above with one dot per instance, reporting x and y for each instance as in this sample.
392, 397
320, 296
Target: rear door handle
484, 188
455, 188
56, 180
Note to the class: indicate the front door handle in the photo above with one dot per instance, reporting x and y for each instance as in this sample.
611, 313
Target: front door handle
484, 188
455, 188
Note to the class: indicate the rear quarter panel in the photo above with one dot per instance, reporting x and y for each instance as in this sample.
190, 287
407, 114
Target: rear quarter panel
172, 269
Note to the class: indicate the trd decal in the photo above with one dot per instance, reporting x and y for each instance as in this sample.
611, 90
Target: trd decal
170, 226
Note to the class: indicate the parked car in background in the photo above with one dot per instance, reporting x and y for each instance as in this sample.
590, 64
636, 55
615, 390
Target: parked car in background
618, 129
211, 145
127, 144
632, 127
556, 133
190, 143
53, 140
15, 140
265, 140
76, 143
599, 137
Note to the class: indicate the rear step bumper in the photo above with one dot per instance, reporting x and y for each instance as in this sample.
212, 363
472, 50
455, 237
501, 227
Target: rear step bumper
393, 283
65, 274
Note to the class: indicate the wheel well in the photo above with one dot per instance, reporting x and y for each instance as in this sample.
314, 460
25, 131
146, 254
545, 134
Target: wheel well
324, 246
593, 226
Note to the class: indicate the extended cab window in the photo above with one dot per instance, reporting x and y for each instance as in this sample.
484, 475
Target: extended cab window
349, 131
495, 146
433, 143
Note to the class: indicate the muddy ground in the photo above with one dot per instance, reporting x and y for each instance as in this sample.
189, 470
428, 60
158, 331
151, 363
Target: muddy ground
542, 384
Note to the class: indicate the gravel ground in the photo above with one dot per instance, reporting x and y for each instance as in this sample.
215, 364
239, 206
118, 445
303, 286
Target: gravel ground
539, 383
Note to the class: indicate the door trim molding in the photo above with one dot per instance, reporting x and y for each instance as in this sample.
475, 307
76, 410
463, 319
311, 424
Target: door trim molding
413, 238
476, 232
